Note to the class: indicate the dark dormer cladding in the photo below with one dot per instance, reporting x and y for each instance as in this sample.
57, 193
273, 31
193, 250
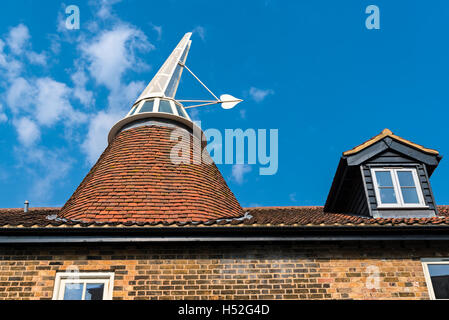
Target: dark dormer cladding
386, 176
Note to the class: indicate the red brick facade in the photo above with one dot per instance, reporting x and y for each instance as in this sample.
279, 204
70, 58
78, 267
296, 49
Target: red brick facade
226, 271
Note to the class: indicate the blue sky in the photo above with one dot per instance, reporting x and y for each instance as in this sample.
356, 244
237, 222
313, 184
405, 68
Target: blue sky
310, 69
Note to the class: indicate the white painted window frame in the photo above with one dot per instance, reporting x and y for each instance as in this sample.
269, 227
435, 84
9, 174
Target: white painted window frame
397, 189
62, 278
156, 108
130, 111
429, 279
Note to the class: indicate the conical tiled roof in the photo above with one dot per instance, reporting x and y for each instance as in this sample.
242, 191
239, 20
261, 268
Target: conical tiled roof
136, 180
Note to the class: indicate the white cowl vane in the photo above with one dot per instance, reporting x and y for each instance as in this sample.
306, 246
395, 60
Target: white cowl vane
166, 81
157, 103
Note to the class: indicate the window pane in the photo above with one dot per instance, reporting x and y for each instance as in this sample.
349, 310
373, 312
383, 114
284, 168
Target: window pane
164, 106
410, 195
439, 273
73, 291
180, 111
94, 291
387, 195
147, 106
406, 179
384, 179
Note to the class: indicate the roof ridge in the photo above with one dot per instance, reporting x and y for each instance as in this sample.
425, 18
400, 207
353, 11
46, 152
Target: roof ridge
388, 133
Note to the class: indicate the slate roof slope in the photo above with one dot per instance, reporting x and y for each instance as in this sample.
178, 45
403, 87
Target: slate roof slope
263, 216
135, 179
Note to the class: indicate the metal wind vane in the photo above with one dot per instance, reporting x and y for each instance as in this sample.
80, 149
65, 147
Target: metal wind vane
165, 83
227, 101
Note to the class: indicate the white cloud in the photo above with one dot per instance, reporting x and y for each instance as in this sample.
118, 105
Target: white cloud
37, 58
27, 130
105, 8
18, 38
259, 95
239, 171
200, 31
79, 79
2, 54
18, 42
113, 52
19, 95
44, 101
10, 65
52, 103
132, 91
106, 57
37, 100
158, 30
109, 56
55, 43
13, 68
96, 140
122, 100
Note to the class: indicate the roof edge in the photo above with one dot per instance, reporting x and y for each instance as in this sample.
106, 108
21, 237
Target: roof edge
388, 133
237, 234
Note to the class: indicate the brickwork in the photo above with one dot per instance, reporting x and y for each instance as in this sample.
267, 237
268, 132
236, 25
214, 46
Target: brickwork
193, 271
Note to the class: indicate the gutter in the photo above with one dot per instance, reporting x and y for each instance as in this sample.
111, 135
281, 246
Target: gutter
220, 234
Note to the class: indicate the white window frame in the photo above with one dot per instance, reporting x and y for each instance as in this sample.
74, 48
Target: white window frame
429, 279
156, 101
156, 105
130, 111
397, 189
62, 278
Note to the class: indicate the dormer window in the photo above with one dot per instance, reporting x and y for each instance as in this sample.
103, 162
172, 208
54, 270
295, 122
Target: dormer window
385, 177
397, 188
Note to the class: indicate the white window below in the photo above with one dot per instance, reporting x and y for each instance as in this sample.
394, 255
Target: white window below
396, 188
83, 286
437, 278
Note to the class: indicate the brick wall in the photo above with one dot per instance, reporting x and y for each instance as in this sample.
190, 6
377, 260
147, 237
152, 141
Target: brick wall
194, 271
